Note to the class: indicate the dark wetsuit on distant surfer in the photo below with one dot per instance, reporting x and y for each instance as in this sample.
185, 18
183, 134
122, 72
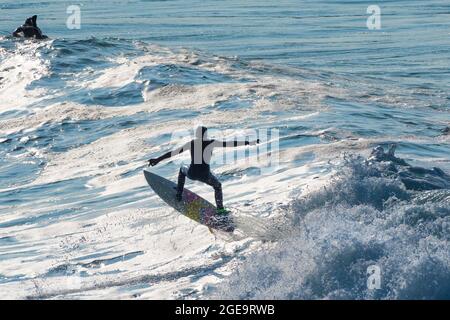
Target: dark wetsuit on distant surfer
201, 151
29, 30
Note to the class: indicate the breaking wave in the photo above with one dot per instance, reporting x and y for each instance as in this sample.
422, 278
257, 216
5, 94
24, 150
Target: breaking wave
369, 215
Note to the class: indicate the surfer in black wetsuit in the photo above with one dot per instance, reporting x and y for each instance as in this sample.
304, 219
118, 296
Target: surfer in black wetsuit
201, 151
29, 30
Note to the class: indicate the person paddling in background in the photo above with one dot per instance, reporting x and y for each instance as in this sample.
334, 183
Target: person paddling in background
201, 152
29, 30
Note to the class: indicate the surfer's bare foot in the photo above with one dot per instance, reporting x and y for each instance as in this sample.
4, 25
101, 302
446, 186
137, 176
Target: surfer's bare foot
222, 211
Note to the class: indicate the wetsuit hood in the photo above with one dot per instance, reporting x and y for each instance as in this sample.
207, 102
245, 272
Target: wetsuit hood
31, 21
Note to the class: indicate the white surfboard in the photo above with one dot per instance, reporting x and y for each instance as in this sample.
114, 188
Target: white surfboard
192, 205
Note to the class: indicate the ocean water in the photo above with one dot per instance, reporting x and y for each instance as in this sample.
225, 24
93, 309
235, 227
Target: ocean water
81, 113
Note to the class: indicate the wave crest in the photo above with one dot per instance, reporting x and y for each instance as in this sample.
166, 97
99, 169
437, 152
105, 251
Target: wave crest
365, 216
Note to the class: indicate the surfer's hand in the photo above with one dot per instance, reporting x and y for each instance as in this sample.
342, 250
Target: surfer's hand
153, 162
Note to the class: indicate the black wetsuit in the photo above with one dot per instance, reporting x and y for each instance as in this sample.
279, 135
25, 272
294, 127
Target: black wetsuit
199, 169
29, 30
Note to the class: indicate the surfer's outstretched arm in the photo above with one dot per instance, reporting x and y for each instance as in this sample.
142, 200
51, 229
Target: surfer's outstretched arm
167, 155
235, 143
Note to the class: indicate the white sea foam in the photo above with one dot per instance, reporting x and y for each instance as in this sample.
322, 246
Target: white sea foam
331, 237
18, 70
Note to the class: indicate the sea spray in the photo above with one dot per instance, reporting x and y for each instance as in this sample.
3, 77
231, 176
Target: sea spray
365, 217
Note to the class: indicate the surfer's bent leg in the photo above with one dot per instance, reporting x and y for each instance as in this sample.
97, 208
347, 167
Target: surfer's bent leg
215, 183
181, 180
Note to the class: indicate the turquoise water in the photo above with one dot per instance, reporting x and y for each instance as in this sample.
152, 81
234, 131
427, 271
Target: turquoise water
81, 113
